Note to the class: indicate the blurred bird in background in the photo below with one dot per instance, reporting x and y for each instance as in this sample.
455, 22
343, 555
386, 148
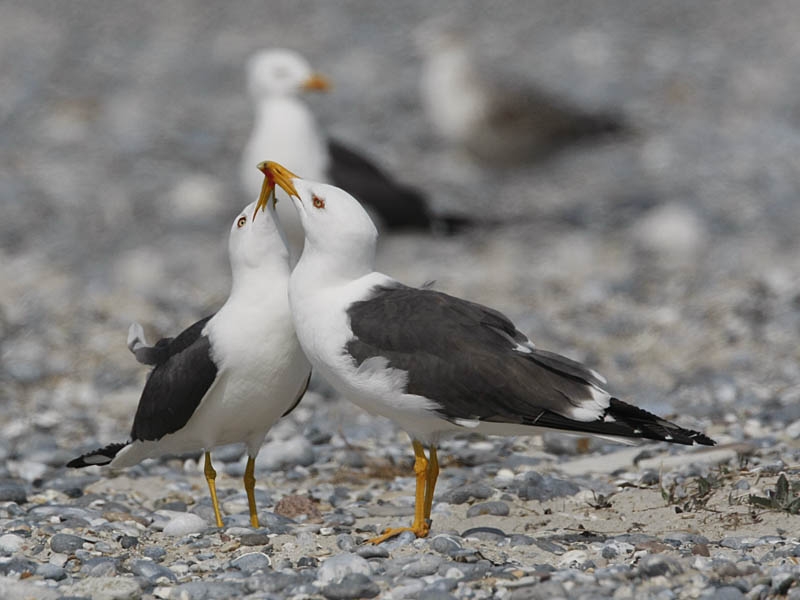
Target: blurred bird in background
493, 115
285, 130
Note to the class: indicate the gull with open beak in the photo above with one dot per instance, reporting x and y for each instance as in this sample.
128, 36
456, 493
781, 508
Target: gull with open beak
433, 363
229, 377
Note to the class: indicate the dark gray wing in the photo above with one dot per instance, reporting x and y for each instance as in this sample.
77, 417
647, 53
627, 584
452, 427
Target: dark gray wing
176, 385
398, 206
475, 363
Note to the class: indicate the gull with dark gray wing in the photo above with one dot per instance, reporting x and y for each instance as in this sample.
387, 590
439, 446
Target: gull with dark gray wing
433, 363
229, 377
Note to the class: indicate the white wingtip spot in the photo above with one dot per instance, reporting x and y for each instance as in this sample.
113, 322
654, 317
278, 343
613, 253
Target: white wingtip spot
469, 423
598, 376
97, 459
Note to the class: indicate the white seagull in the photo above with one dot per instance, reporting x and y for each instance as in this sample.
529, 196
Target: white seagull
433, 363
229, 377
492, 115
286, 131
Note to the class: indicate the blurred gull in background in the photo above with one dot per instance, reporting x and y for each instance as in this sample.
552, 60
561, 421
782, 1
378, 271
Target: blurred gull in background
491, 114
286, 131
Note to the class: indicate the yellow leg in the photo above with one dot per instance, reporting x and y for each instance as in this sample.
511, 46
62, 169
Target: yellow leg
430, 482
250, 488
211, 475
420, 526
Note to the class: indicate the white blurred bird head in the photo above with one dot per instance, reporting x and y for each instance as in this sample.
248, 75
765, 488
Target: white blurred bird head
281, 72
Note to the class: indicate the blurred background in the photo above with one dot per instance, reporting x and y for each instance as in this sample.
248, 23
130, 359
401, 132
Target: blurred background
668, 260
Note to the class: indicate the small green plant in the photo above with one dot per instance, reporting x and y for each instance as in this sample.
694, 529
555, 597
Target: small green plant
785, 497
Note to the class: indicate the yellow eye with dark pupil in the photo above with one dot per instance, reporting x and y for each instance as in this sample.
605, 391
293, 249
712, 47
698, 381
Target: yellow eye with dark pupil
318, 202
241, 222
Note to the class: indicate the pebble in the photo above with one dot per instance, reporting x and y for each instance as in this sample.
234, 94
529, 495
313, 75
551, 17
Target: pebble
533, 486
12, 492
253, 539
497, 508
10, 543
185, 524
252, 562
152, 571
353, 585
421, 566
486, 534
17, 565
106, 588
335, 568
48, 571
465, 493
65, 543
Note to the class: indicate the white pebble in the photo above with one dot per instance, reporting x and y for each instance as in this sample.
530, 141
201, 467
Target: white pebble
335, 568
10, 542
184, 524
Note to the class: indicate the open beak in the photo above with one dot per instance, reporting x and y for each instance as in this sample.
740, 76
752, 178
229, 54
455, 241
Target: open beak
280, 175
267, 191
316, 83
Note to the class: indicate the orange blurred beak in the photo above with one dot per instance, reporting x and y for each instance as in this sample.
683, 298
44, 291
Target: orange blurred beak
316, 83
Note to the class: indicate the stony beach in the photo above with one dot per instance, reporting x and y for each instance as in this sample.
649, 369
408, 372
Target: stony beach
668, 260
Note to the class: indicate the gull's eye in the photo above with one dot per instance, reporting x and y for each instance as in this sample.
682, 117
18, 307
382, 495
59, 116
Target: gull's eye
317, 202
241, 222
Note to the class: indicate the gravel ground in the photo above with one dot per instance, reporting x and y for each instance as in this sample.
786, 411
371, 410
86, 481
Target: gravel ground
668, 260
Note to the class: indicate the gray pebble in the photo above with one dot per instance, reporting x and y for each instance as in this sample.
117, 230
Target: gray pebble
252, 562
470, 571
340, 519
549, 546
273, 582
497, 508
128, 541
345, 541
435, 595
654, 565
683, 537
108, 588
12, 492
17, 565
254, 539
427, 564
65, 543
353, 585
337, 567
10, 543
520, 539
206, 590
533, 486
726, 592
152, 571
372, 551
742, 484
99, 566
156, 553
546, 590
445, 544
462, 494
48, 571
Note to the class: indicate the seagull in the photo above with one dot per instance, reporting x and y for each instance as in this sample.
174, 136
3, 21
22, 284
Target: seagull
494, 116
433, 363
229, 377
286, 131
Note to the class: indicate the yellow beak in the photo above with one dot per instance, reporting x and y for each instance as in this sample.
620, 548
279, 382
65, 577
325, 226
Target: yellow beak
275, 174
267, 190
316, 83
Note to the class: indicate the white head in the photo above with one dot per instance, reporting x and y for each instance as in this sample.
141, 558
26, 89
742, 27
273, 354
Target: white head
256, 241
281, 72
337, 228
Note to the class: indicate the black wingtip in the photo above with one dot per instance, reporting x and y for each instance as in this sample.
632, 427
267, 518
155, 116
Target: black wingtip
99, 457
650, 426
